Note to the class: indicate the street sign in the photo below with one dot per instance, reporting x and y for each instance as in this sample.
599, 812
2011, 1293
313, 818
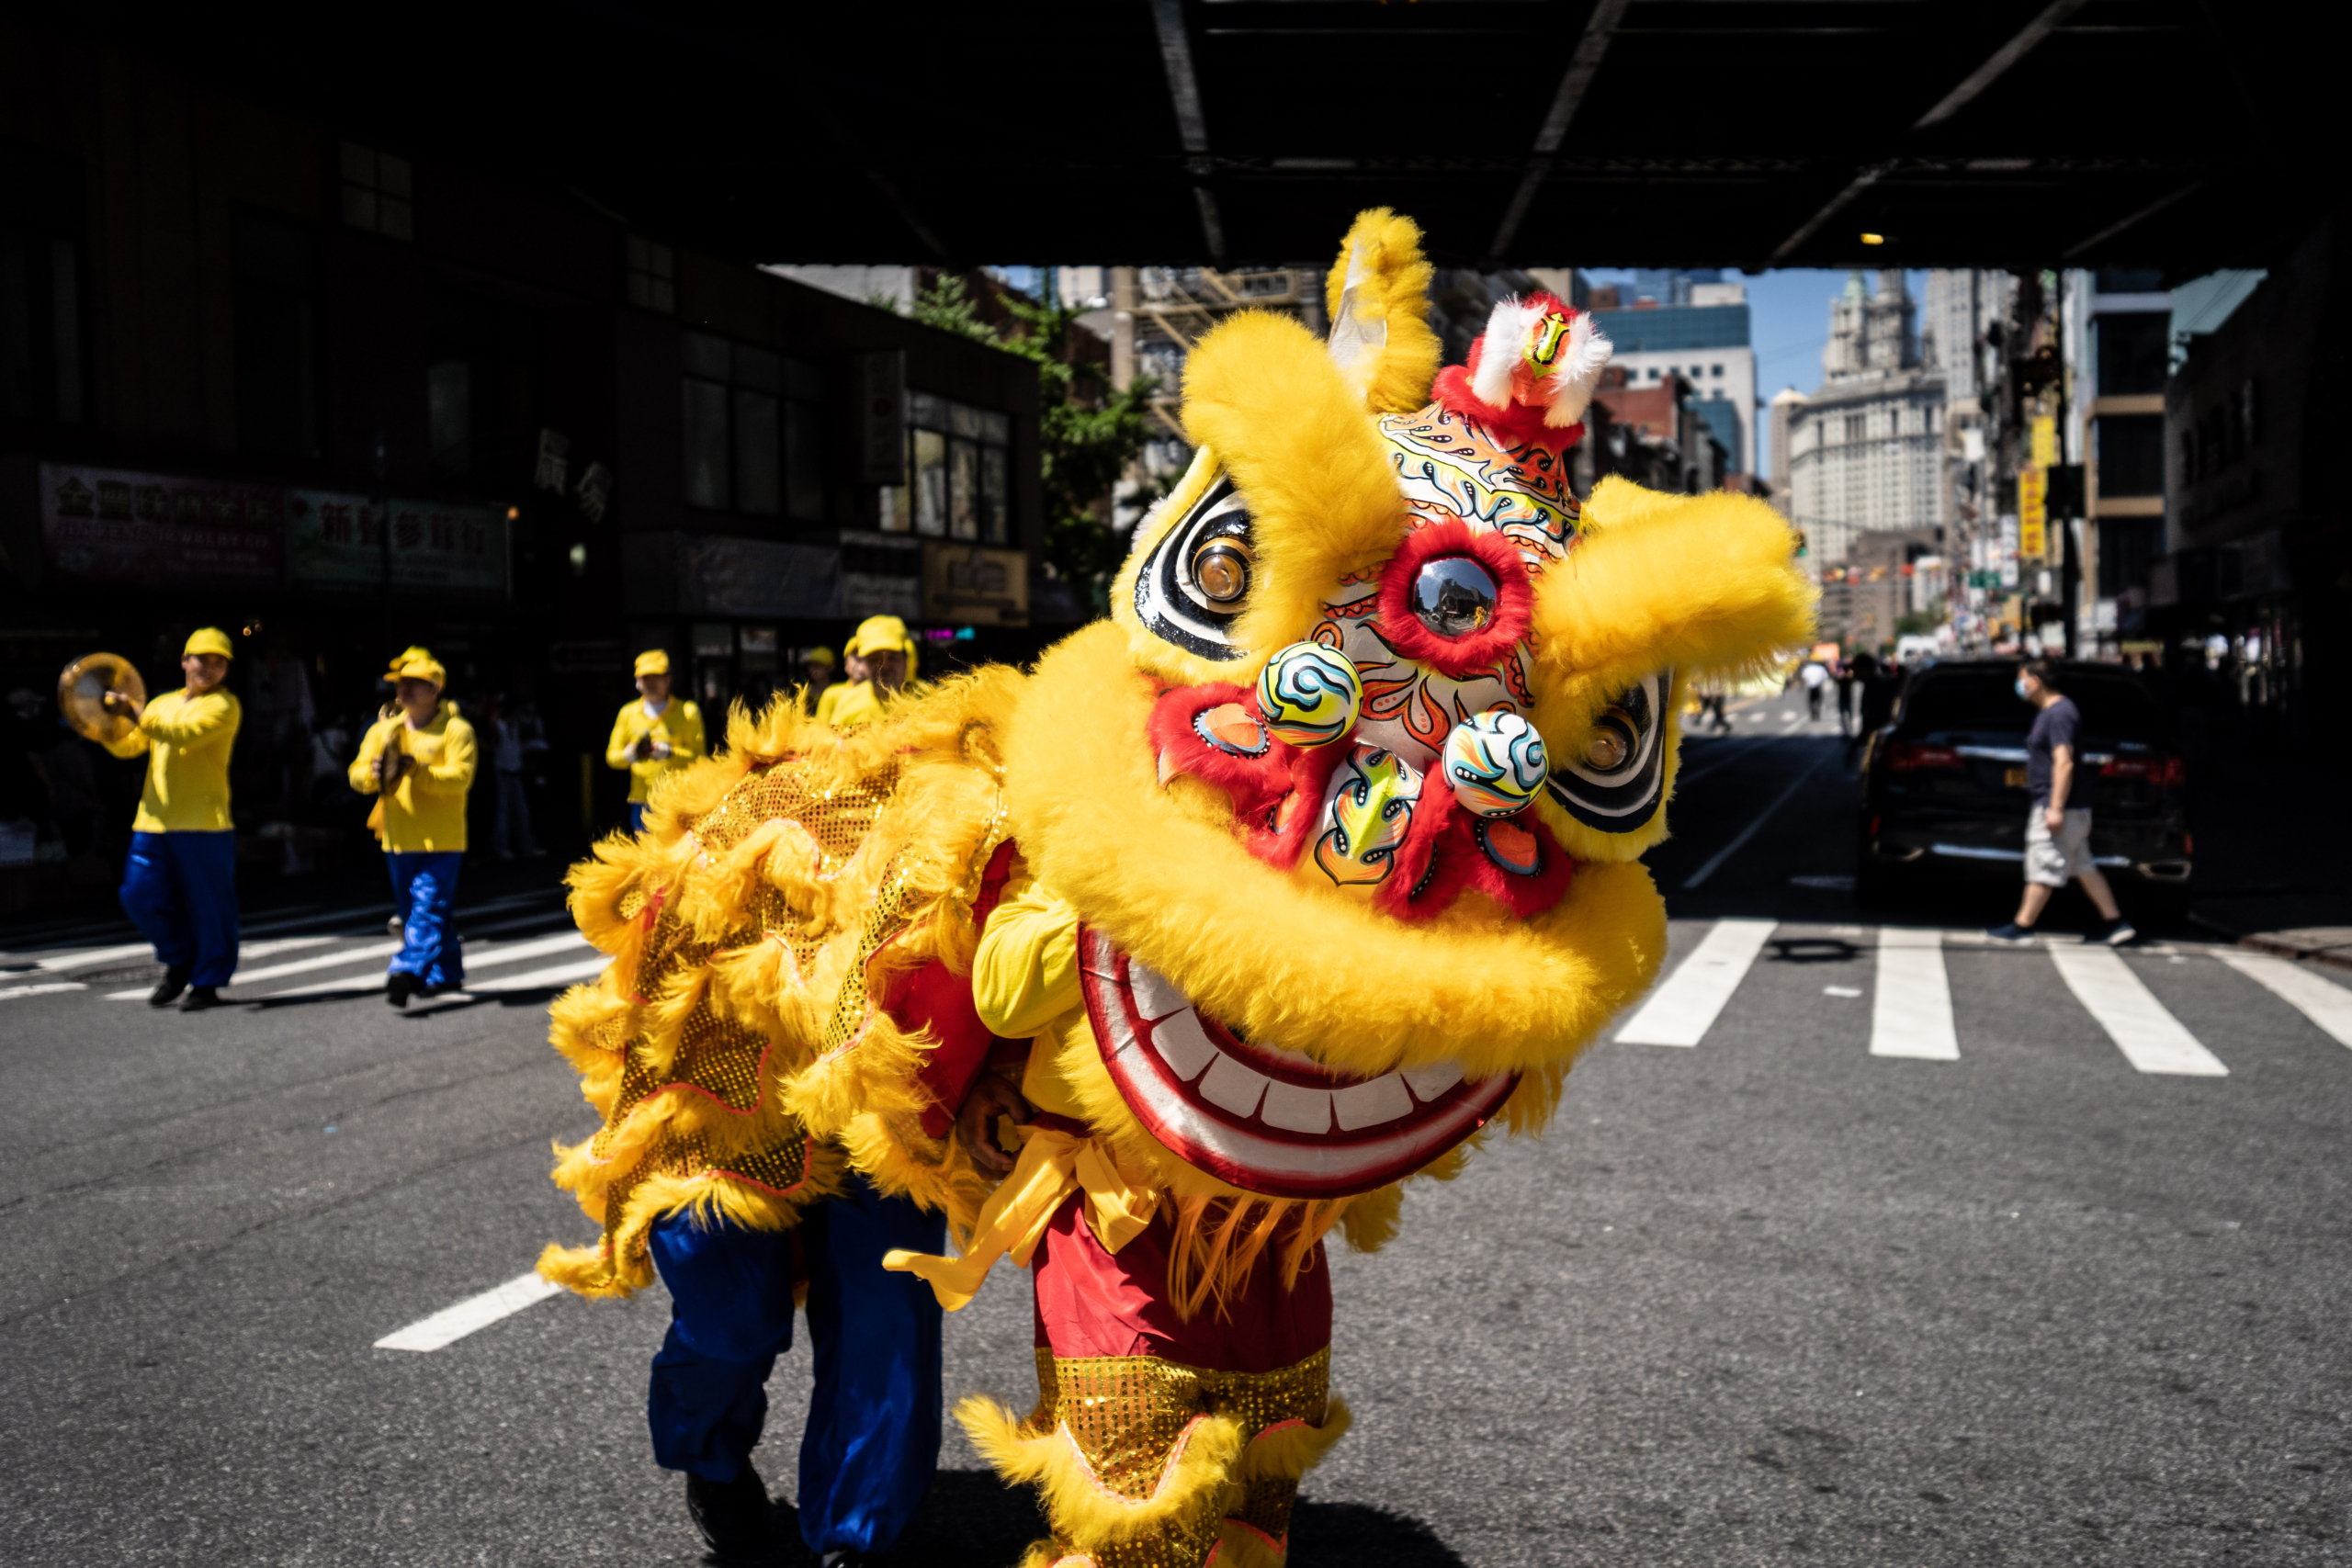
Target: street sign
2033, 486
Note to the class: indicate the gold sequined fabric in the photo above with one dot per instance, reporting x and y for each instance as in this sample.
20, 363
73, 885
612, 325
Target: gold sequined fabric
1126, 1413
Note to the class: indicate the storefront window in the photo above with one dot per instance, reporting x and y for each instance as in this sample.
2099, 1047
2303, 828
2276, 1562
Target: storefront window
958, 472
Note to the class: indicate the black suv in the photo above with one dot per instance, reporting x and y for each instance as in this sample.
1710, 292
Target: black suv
1944, 795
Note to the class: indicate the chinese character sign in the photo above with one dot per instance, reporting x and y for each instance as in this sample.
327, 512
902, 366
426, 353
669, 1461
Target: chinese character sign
2033, 494
336, 539
113, 527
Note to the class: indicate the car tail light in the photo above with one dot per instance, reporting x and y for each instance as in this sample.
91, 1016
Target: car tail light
2160, 769
2189, 845
1910, 757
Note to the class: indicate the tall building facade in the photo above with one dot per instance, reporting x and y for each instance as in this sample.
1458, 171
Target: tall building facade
1865, 451
1704, 341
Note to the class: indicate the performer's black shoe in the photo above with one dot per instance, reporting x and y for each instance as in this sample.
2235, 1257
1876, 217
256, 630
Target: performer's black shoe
734, 1517
167, 990
400, 985
201, 996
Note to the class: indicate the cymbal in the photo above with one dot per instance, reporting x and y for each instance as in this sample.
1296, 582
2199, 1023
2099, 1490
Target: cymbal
81, 690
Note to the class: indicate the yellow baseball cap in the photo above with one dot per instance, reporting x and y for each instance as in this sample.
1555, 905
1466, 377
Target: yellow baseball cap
417, 664
652, 661
876, 633
209, 639
819, 656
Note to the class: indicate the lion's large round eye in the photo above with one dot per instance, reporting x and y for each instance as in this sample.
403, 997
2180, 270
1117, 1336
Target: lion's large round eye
1455, 596
1221, 569
1606, 752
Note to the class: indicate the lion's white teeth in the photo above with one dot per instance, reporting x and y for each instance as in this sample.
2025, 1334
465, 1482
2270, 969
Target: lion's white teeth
1232, 1085
1431, 1081
1155, 996
1369, 1104
1183, 1044
1167, 766
1298, 1109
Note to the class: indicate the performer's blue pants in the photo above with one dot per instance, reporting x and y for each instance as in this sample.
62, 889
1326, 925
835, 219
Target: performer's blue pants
180, 890
872, 1442
424, 884
636, 810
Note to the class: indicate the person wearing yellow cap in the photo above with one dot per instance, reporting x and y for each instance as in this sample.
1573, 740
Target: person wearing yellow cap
817, 666
881, 658
419, 760
652, 736
179, 885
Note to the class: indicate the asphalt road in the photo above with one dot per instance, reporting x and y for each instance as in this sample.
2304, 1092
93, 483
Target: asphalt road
1767, 1298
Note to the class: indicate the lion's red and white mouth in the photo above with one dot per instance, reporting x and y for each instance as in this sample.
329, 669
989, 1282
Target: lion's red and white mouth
1265, 1120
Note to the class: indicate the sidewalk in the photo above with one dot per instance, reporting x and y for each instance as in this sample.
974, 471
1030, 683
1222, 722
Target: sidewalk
2274, 857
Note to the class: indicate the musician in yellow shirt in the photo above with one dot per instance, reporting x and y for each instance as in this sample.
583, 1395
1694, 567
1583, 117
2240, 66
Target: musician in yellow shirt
652, 736
881, 659
420, 758
179, 885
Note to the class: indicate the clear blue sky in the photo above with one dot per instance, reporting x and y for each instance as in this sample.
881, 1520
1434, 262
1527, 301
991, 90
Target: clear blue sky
1788, 325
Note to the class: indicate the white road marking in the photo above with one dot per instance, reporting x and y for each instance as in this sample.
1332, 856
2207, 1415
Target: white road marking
452, 1324
300, 966
561, 974
2323, 1002
1748, 832
2148, 1035
1681, 1010
1911, 1014
521, 950
13, 992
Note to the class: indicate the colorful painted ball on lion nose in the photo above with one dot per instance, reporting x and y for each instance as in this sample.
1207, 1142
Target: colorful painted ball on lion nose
1495, 762
1310, 695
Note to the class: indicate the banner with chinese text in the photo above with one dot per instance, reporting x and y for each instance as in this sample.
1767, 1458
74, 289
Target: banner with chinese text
336, 539
114, 527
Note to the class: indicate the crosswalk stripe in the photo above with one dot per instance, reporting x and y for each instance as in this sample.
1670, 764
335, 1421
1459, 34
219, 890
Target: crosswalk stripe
1911, 1013
373, 980
558, 974
2149, 1037
13, 992
2326, 1004
452, 1324
1681, 1010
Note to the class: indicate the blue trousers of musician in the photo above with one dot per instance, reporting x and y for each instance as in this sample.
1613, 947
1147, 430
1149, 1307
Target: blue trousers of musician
636, 810
872, 1441
424, 884
180, 890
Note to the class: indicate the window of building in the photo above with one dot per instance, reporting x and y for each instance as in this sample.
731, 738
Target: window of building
754, 430
1653, 372
40, 271
1717, 371
2132, 347
652, 271
2128, 548
276, 297
959, 472
2131, 449
376, 195
481, 390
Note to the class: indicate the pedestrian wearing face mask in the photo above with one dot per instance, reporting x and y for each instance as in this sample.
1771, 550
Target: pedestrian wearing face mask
2058, 827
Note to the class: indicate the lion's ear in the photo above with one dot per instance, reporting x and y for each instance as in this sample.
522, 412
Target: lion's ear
1378, 296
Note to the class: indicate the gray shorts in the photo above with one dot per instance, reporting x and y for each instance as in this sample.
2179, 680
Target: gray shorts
2053, 860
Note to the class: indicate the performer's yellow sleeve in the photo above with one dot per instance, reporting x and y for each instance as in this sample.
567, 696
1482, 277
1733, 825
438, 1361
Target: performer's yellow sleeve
685, 736
1025, 974
187, 774
452, 772
362, 772
627, 724
827, 700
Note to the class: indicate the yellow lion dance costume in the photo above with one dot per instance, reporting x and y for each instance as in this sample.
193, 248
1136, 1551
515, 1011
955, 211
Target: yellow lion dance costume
1271, 893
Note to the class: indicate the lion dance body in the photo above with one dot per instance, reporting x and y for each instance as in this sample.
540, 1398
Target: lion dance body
1273, 892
